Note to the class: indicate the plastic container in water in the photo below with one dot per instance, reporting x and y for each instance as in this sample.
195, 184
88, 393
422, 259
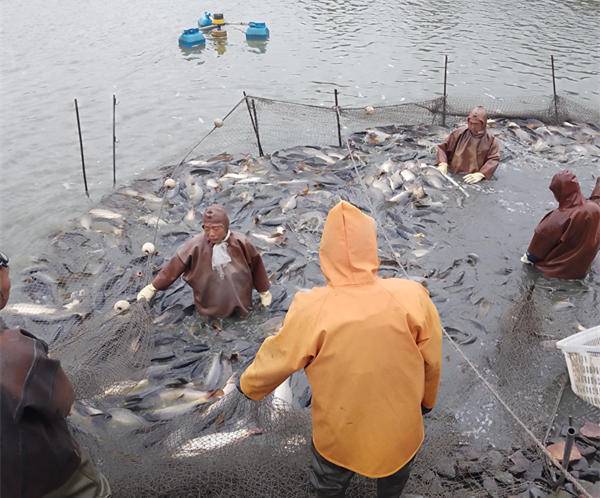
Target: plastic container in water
218, 19
582, 354
257, 31
205, 21
192, 38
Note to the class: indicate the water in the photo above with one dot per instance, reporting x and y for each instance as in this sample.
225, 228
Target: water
375, 53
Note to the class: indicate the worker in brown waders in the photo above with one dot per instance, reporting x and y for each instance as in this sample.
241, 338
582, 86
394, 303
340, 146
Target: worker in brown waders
371, 349
222, 267
567, 239
471, 150
38, 456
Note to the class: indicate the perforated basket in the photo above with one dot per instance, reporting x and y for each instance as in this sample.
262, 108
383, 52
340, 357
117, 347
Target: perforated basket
582, 353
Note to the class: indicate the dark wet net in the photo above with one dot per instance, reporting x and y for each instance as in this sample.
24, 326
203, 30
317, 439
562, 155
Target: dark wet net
156, 403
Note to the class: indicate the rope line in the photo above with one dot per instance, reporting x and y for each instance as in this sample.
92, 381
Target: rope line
171, 174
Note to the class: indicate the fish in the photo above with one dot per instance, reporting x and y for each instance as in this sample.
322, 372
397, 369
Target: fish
105, 214
563, 305
376, 137
174, 411
220, 369
316, 153
283, 396
40, 310
139, 195
212, 442
212, 183
152, 220
289, 204
419, 253
276, 239
387, 166
120, 418
401, 198
190, 215
408, 176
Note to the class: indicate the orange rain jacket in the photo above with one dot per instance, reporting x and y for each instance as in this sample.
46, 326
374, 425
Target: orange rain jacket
371, 349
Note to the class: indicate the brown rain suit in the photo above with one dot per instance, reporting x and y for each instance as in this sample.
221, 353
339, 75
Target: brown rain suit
466, 152
38, 453
371, 349
217, 296
567, 239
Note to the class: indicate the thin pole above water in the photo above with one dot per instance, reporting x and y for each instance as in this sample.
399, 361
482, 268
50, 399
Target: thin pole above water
254, 123
260, 150
337, 117
445, 89
114, 140
81, 149
554, 90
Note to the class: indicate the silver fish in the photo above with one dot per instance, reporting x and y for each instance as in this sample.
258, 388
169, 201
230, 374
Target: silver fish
105, 214
211, 442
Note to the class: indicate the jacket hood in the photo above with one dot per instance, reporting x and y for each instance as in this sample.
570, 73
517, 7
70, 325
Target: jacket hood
477, 115
348, 249
565, 187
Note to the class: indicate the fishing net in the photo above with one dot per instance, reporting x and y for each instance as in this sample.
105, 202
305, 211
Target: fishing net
157, 407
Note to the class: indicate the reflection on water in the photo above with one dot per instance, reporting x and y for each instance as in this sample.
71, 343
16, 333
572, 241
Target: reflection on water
376, 52
258, 47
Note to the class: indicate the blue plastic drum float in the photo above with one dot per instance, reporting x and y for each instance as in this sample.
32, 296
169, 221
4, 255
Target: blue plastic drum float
212, 25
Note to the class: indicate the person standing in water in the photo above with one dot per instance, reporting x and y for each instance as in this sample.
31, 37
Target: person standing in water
222, 267
470, 150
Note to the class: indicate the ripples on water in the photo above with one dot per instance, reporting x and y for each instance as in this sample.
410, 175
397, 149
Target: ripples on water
375, 52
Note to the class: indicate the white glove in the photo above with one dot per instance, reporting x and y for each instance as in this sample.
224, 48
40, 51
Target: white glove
266, 299
526, 260
473, 178
147, 293
443, 167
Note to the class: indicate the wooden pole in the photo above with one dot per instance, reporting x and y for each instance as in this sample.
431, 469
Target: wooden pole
337, 117
81, 149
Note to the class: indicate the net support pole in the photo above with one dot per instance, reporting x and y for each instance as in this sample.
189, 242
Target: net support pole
337, 117
254, 124
114, 139
81, 149
554, 90
445, 90
260, 150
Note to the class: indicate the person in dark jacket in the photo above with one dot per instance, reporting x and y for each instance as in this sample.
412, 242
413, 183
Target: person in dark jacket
38, 456
567, 239
471, 150
221, 267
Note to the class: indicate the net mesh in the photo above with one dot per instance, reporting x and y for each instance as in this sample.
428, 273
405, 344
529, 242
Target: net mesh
156, 406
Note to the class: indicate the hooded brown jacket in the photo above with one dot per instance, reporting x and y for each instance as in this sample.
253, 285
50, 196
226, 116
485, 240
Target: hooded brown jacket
567, 239
38, 453
215, 296
465, 152
371, 348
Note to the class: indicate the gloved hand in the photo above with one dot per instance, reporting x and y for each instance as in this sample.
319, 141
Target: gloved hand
266, 299
526, 260
473, 178
147, 293
443, 167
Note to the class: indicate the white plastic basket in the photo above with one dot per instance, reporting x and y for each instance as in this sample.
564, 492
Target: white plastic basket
582, 353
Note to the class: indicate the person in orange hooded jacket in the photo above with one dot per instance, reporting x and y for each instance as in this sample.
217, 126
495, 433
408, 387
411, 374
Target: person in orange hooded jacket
371, 349
567, 239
